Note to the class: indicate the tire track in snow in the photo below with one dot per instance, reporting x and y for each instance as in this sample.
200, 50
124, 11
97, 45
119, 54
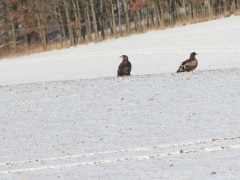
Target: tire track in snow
136, 158
162, 146
150, 149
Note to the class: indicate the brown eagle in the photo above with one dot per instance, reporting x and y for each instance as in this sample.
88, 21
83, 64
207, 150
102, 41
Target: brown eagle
124, 67
189, 65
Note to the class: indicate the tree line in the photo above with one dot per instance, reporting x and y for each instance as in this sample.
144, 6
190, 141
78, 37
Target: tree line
64, 23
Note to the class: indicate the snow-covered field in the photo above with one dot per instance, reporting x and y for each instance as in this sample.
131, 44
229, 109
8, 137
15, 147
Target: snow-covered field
216, 42
76, 120
123, 128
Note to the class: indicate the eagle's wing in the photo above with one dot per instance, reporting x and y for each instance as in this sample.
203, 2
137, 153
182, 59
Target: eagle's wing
130, 66
185, 62
127, 68
122, 66
120, 71
188, 65
191, 65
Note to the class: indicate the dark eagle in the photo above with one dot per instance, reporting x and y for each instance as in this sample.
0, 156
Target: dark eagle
125, 67
189, 65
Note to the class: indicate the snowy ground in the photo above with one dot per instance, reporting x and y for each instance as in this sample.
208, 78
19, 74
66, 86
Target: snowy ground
156, 124
123, 128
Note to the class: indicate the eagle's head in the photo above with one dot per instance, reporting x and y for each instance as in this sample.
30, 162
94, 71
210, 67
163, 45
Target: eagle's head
192, 55
124, 57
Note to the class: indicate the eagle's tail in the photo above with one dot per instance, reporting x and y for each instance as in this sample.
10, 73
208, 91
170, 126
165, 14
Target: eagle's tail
180, 69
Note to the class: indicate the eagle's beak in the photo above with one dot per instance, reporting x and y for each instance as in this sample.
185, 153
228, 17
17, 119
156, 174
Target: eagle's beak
196, 54
120, 57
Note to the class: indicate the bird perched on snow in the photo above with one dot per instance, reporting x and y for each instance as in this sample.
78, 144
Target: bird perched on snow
124, 67
189, 65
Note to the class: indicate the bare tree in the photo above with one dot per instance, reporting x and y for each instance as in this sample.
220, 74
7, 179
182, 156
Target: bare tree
94, 19
126, 14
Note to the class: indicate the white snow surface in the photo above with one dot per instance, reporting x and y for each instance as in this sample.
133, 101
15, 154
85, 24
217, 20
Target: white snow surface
168, 126
161, 51
65, 114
